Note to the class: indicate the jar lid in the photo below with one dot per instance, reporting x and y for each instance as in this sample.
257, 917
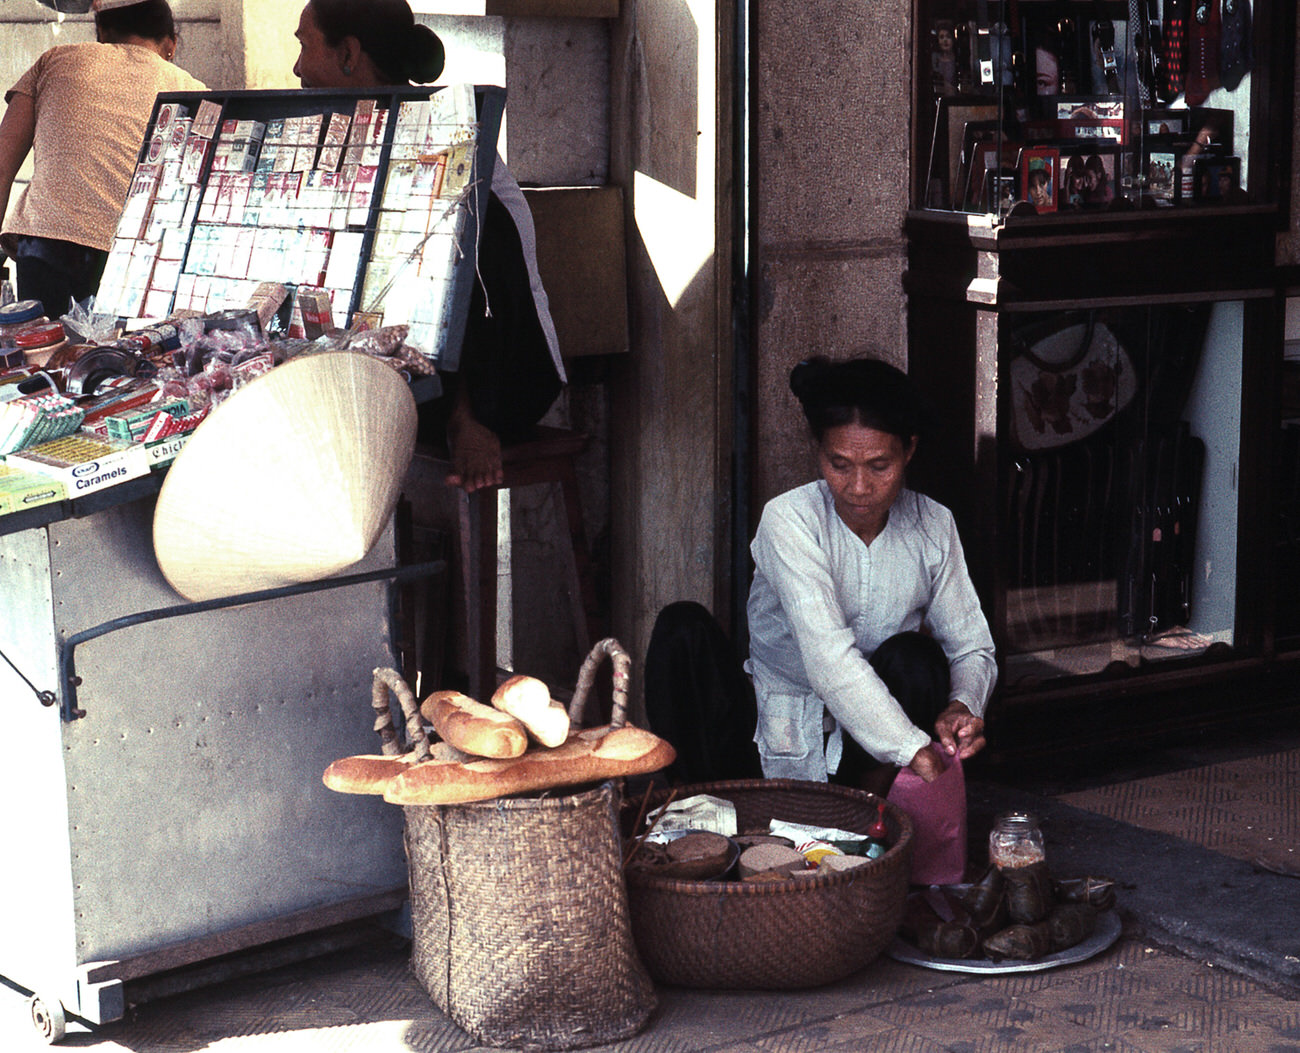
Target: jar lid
21, 311
40, 335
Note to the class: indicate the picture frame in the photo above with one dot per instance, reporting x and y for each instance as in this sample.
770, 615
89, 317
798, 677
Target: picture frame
944, 186
979, 141
1001, 188
1161, 164
1040, 177
1165, 123
1216, 180
1089, 176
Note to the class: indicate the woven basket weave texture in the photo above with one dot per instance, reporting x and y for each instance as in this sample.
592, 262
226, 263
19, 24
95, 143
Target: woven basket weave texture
783, 934
522, 934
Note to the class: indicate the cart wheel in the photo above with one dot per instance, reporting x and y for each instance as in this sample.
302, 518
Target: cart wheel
48, 1018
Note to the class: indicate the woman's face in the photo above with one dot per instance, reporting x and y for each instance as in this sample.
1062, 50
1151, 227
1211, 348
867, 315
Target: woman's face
318, 65
864, 469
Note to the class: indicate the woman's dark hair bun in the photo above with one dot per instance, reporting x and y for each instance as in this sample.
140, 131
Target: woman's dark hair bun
426, 55
808, 378
866, 391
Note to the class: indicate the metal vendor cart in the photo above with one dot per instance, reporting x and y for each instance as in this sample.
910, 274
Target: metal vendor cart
164, 806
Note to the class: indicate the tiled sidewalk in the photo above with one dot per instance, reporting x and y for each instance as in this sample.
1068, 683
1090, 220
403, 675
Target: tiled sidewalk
1200, 918
1133, 999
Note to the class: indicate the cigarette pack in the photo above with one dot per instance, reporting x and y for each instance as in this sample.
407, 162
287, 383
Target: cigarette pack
336, 136
168, 114
206, 119
363, 191
345, 258
460, 167
180, 133
139, 200
196, 153
317, 311
83, 463
20, 490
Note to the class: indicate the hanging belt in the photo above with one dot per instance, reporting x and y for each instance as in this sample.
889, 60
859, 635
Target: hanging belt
1103, 35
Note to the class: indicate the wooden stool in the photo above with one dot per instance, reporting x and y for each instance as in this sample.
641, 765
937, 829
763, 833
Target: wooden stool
546, 456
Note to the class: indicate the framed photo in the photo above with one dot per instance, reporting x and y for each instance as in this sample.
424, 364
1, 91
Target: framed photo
1087, 108
1216, 180
1173, 123
1000, 190
1089, 176
1161, 164
1040, 176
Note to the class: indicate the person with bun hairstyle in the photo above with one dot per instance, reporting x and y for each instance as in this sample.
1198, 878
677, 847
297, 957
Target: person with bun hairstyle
83, 109
866, 637
510, 367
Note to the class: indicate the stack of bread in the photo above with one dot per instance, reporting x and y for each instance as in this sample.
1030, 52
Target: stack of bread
521, 743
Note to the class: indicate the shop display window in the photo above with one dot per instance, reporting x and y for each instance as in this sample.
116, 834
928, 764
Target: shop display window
1048, 106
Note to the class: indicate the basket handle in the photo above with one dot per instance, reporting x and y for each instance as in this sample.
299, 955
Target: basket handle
622, 666
386, 680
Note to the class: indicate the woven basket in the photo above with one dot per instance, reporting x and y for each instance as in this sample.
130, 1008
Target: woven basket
775, 935
521, 931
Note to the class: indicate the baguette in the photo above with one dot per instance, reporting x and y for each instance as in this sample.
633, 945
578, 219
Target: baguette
529, 701
365, 773
370, 772
474, 727
587, 756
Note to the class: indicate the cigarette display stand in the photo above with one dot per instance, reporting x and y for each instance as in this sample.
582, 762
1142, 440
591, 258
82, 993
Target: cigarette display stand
161, 760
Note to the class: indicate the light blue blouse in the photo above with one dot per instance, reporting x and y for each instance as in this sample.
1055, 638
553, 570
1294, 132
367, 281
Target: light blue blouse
822, 601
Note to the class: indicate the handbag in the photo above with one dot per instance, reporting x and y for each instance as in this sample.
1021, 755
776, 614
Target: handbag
1066, 380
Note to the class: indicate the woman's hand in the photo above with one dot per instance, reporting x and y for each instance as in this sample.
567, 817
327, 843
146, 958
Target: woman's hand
926, 764
959, 731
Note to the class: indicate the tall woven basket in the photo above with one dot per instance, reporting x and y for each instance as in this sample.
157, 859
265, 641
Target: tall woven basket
521, 929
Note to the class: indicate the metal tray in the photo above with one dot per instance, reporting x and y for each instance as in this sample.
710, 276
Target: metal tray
1106, 933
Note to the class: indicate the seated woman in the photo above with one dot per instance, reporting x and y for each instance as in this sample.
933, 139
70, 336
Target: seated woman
867, 640
510, 367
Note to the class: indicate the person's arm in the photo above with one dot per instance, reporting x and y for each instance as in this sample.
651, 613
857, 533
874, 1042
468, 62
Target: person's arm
17, 132
958, 624
793, 560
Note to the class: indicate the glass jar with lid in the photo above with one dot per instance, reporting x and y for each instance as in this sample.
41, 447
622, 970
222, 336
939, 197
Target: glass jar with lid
1016, 841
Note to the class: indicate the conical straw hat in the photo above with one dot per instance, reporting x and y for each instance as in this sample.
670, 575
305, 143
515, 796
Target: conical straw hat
289, 480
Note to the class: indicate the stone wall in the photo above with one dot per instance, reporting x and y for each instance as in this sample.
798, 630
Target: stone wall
833, 128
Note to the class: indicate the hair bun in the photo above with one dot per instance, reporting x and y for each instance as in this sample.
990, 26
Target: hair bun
425, 55
809, 378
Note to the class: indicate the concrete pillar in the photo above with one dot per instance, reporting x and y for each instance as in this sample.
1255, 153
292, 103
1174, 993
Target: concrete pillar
833, 112
670, 150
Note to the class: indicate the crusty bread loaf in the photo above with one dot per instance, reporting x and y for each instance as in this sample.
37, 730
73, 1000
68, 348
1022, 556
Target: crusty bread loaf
529, 701
365, 773
588, 756
474, 727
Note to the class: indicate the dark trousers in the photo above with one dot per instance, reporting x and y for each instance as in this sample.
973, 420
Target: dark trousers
700, 699
57, 272
505, 361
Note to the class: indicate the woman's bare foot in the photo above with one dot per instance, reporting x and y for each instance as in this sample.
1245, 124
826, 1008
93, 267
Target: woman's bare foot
475, 452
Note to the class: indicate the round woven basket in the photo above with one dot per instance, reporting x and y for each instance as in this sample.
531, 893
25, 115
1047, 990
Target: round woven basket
775, 935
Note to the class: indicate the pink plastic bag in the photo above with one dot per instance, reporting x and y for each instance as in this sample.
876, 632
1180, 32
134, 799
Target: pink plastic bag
938, 813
